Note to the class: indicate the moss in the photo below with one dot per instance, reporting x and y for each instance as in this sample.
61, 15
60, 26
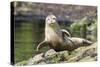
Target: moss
21, 63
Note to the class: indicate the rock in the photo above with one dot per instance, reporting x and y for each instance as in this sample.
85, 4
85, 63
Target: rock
91, 50
42, 63
36, 59
64, 55
87, 59
52, 56
83, 52
50, 53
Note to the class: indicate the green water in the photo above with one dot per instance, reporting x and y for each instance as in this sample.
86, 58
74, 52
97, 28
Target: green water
27, 36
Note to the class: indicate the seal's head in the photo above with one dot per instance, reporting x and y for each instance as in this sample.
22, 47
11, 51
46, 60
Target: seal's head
51, 20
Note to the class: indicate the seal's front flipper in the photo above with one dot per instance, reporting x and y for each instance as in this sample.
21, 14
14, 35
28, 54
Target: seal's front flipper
65, 32
40, 45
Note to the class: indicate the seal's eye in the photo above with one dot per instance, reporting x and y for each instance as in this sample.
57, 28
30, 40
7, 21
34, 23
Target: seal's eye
53, 18
47, 19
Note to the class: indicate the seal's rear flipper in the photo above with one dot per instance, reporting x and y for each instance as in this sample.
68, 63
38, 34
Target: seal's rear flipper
87, 42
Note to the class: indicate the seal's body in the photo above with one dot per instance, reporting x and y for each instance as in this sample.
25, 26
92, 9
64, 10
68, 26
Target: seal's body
53, 34
60, 39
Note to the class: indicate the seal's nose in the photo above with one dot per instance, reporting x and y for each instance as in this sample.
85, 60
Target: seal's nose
52, 22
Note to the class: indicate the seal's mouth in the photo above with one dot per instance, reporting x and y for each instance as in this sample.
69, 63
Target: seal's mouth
51, 24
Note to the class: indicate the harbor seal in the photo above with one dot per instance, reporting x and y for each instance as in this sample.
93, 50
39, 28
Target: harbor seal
60, 39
